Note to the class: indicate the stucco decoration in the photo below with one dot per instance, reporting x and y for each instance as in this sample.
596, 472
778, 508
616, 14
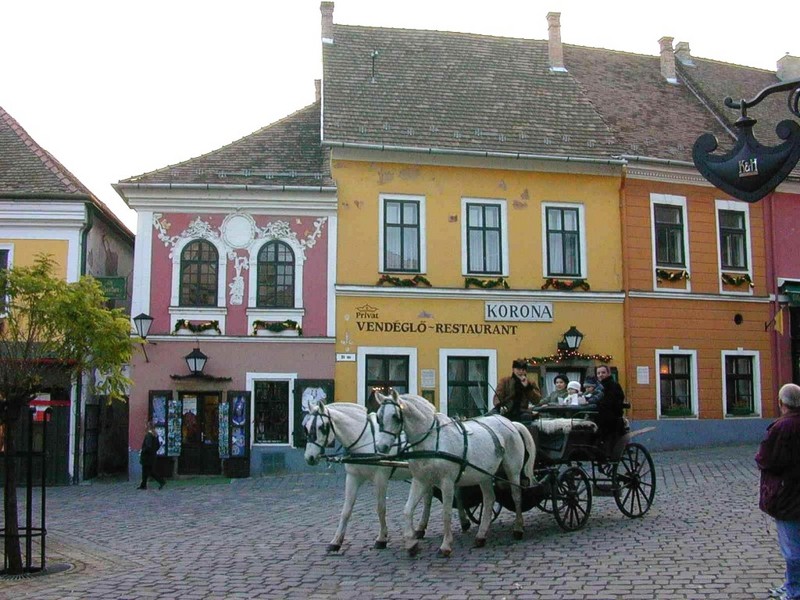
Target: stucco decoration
238, 231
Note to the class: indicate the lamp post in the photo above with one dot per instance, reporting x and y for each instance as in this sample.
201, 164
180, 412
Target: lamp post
142, 323
196, 361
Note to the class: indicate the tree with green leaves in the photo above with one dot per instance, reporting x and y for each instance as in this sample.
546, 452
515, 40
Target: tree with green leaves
50, 328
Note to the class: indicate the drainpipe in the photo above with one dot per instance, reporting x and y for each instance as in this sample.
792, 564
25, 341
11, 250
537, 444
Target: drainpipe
76, 459
626, 302
775, 342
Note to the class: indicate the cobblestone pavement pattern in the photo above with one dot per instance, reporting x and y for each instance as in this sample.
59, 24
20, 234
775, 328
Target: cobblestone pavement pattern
266, 538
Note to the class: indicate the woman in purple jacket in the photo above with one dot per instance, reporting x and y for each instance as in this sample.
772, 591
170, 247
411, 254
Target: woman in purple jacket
778, 459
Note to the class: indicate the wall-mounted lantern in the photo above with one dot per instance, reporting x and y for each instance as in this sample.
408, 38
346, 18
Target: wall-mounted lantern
142, 323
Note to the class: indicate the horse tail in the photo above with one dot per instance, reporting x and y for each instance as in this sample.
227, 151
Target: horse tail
530, 450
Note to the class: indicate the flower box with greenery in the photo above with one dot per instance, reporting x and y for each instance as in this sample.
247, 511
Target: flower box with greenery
414, 281
736, 279
677, 411
187, 327
566, 284
287, 328
486, 284
672, 275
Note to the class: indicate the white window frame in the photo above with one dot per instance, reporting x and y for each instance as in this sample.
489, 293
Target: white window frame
504, 267
581, 236
200, 313
679, 201
9, 265
361, 366
744, 207
250, 385
694, 383
423, 260
491, 372
256, 313
755, 355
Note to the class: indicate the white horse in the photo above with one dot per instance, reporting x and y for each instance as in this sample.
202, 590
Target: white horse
355, 430
475, 449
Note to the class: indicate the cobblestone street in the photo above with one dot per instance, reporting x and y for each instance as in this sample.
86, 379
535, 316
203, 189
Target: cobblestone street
266, 538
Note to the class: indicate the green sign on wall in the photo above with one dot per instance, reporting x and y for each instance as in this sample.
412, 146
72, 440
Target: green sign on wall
113, 287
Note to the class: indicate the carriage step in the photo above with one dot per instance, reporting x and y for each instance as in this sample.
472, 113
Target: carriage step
600, 489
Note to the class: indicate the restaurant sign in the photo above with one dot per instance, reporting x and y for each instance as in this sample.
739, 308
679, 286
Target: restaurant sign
518, 311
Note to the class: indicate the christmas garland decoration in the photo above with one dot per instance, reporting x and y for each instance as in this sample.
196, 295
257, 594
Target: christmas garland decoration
486, 285
415, 281
566, 284
663, 274
565, 355
737, 280
197, 328
277, 326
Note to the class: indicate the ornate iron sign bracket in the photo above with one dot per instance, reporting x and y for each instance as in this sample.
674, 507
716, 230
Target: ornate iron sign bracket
751, 170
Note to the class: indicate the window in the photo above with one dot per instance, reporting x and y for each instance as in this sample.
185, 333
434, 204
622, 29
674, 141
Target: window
484, 235
275, 276
669, 235
467, 386
385, 372
677, 380
739, 385
732, 239
401, 235
563, 243
271, 412
198, 270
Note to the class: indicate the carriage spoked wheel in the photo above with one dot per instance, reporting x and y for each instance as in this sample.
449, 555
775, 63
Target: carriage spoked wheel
474, 512
634, 481
572, 499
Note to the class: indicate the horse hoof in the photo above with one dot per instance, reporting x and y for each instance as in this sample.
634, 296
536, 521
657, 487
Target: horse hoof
445, 553
517, 535
334, 547
480, 542
419, 534
465, 526
413, 550
380, 545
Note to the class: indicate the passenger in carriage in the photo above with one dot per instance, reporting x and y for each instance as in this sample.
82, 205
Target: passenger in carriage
609, 419
558, 395
592, 390
516, 394
574, 394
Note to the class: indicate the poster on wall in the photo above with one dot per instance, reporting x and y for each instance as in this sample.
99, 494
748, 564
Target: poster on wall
240, 423
158, 415
224, 430
174, 427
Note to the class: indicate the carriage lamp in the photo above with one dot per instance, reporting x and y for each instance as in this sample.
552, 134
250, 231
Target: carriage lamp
196, 361
142, 323
571, 340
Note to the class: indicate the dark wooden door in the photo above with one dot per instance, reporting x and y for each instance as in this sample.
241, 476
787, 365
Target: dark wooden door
200, 448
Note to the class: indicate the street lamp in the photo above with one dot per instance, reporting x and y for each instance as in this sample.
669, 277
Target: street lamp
142, 323
196, 361
571, 340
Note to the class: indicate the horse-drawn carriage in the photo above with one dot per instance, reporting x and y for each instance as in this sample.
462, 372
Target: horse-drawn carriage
573, 465
486, 460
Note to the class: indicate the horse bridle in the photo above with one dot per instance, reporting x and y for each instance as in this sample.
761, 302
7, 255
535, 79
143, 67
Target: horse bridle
390, 400
326, 428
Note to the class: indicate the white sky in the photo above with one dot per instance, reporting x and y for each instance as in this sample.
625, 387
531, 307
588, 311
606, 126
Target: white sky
115, 88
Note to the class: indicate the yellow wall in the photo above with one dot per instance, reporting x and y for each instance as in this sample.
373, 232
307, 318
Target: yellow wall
25, 252
360, 186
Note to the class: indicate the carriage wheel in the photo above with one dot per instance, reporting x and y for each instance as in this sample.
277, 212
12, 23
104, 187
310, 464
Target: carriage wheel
545, 505
572, 499
474, 512
634, 481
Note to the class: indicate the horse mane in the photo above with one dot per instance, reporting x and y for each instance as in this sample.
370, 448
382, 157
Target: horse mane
418, 403
348, 408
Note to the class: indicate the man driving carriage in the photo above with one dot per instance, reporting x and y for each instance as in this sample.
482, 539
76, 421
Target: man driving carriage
610, 421
516, 394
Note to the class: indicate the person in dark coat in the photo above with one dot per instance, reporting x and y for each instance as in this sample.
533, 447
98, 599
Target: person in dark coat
778, 459
147, 457
610, 405
516, 394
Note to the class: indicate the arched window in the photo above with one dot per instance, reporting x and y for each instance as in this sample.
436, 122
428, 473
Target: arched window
275, 276
199, 264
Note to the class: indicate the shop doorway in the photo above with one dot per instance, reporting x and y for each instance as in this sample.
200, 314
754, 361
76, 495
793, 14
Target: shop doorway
200, 434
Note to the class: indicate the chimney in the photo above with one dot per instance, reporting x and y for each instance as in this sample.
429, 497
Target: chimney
667, 60
684, 54
317, 90
789, 68
555, 52
326, 8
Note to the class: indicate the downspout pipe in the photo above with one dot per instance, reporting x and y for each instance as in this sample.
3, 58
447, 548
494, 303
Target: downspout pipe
76, 459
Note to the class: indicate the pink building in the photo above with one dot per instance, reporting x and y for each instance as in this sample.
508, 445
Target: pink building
235, 264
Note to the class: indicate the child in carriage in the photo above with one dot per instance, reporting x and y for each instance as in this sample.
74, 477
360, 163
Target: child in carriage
574, 394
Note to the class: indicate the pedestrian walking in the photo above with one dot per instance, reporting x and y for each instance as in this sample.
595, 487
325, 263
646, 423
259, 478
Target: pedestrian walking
778, 458
147, 457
